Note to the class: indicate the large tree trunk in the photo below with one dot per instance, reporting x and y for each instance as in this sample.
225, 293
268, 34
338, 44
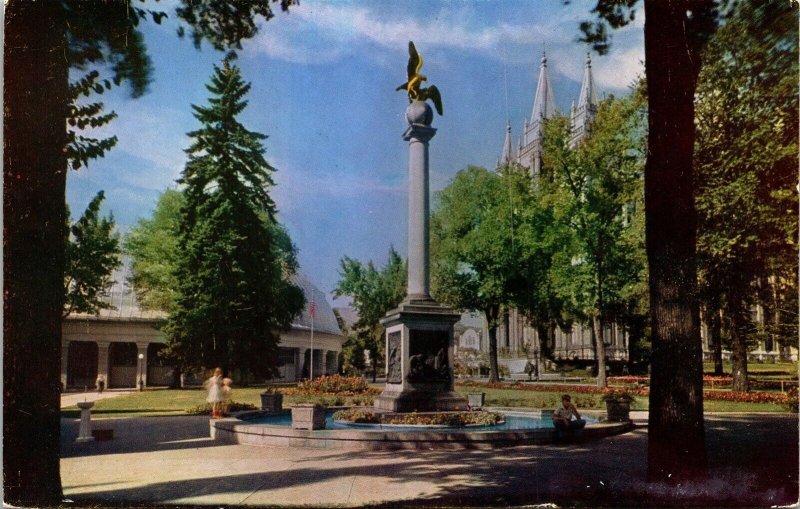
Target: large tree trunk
491, 314
715, 331
599, 350
34, 181
546, 332
737, 316
676, 434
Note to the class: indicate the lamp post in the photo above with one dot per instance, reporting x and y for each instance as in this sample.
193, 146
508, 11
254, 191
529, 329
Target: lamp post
140, 383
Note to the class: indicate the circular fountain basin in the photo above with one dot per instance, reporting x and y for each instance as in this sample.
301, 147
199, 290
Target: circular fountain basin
519, 428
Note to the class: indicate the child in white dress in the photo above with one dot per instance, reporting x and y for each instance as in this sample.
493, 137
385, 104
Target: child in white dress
215, 396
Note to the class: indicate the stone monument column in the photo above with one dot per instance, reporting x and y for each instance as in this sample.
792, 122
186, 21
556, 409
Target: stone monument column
419, 333
418, 134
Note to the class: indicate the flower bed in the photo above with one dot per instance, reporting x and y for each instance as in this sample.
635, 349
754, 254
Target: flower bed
454, 419
744, 397
333, 390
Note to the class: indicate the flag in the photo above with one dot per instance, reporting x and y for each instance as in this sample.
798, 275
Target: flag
312, 308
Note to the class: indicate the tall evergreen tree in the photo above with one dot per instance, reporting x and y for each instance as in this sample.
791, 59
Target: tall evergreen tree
92, 254
234, 295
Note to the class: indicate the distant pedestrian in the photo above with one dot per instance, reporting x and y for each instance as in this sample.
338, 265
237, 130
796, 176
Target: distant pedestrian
215, 396
530, 369
227, 392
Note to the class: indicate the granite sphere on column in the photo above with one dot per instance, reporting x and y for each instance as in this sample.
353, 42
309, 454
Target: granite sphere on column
419, 112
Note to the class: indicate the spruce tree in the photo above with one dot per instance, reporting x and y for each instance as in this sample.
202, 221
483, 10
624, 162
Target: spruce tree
234, 296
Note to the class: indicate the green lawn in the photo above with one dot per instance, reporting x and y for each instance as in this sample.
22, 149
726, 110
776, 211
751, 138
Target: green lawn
159, 402
176, 401
759, 369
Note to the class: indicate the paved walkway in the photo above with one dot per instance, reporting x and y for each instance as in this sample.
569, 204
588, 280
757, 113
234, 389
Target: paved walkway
72, 398
170, 460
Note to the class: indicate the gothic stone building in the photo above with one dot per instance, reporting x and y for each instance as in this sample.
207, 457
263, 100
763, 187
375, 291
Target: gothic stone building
516, 337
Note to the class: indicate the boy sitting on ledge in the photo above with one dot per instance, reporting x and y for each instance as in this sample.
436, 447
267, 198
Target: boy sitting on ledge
562, 417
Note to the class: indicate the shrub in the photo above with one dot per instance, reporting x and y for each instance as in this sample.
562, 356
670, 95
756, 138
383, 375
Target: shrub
334, 384
328, 400
357, 415
205, 409
621, 395
791, 403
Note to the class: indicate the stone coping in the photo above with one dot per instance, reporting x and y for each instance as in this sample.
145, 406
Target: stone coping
237, 430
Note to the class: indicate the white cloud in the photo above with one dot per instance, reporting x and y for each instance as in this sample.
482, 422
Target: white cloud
325, 33
619, 68
155, 136
321, 33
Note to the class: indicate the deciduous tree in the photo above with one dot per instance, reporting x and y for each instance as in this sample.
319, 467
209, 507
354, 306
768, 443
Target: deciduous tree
476, 263
153, 248
92, 253
593, 190
675, 34
373, 292
746, 157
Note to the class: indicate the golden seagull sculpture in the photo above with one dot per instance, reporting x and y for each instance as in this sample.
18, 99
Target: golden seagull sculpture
415, 79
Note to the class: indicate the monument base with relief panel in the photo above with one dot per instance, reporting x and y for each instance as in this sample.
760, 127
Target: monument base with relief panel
419, 358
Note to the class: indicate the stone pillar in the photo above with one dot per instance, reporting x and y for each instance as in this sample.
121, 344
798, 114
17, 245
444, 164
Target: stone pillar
102, 362
141, 366
418, 134
64, 363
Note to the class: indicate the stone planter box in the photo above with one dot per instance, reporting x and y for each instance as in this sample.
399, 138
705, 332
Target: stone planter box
476, 400
306, 416
271, 401
618, 410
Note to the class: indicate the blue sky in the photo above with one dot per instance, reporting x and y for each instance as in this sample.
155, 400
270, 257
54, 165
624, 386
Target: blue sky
323, 79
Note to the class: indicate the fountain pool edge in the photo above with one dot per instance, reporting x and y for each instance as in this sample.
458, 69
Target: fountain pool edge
237, 431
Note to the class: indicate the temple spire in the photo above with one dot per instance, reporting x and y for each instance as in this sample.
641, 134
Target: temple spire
583, 115
507, 156
544, 106
588, 95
